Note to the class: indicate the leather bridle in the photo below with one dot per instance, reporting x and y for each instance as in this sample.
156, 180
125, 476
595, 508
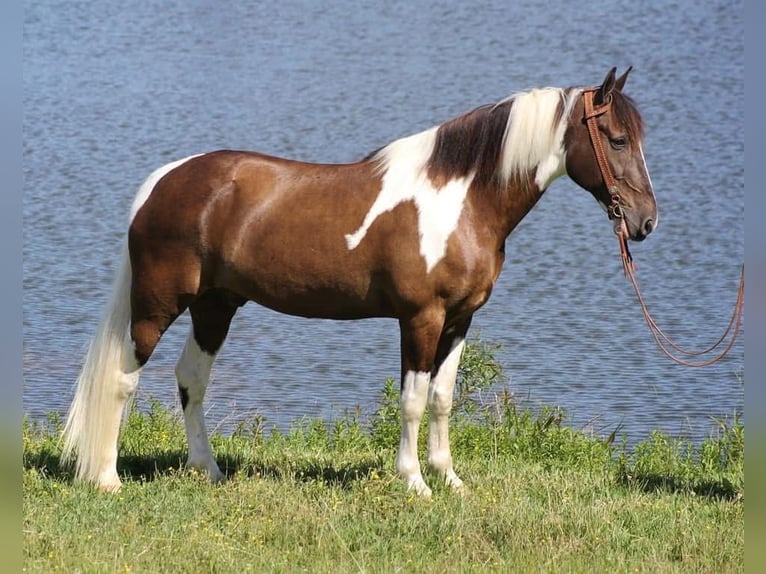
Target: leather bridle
614, 209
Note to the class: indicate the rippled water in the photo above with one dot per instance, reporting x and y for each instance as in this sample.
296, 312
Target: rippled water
113, 90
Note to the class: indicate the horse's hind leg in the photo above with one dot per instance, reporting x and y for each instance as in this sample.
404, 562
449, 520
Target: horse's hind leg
211, 316
111, 372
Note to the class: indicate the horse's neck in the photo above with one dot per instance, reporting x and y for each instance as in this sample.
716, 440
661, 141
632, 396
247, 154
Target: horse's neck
502, 207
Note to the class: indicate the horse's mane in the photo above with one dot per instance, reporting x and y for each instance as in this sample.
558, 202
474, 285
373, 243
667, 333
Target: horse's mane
493, 142
500, 141
471, 143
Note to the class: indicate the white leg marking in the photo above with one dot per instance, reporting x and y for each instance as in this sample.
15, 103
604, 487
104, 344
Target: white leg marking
440, 395
413, 404
405, 180
193, 374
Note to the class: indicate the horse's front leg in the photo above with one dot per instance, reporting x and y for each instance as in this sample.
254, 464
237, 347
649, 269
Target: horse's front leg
440, 395
420, 337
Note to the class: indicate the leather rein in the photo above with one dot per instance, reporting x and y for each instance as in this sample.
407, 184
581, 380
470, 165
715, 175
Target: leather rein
615, 212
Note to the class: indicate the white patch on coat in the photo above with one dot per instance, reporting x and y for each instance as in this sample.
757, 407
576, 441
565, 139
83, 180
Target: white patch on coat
404, 165
533, 140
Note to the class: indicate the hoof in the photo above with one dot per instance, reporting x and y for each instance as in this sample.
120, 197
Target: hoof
217, 476
110, 488
419, 487
109, 482
208, 468
453, 481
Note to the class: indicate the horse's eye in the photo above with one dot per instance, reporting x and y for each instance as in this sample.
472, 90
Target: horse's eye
619, 142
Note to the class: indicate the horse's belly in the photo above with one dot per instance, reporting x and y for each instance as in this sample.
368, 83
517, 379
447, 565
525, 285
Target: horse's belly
309, 291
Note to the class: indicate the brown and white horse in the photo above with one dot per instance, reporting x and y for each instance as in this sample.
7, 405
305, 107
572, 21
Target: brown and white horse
415, 232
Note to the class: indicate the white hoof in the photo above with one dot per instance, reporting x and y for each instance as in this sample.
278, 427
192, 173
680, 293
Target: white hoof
109, 481
418, 485
111, 487
453, 481
209, 468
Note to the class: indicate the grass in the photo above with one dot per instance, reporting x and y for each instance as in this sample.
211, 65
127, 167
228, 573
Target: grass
324, 497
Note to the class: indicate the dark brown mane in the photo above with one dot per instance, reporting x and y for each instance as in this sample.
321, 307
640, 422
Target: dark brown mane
627, 114
470, 143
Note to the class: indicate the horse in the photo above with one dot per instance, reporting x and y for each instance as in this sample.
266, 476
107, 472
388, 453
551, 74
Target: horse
415, 232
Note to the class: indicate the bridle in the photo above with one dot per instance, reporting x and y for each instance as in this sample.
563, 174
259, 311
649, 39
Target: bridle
614, 209
616, 214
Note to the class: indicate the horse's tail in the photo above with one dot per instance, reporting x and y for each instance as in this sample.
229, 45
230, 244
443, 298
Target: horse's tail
103, 387
109, 375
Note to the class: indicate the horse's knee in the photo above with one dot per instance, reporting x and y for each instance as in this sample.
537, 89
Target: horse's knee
439, 402
414, 396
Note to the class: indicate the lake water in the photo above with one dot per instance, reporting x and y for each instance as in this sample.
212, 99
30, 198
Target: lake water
113, 90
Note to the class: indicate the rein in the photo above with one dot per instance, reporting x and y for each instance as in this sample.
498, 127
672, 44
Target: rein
615, 212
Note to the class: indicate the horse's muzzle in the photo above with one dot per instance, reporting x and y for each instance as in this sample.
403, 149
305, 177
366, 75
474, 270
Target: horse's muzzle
633, 229
644, 229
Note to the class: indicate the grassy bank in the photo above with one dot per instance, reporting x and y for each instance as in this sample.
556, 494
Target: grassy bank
325, 497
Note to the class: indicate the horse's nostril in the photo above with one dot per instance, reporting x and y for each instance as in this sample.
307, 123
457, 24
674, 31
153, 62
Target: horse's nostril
648, 226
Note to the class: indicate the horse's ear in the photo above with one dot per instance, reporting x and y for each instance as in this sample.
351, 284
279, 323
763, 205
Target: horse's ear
604, 92
619, 83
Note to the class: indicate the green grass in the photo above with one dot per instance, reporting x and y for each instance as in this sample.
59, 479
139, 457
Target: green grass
324, 497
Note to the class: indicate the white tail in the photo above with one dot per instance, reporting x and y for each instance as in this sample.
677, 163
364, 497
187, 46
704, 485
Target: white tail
109, 375
108, 378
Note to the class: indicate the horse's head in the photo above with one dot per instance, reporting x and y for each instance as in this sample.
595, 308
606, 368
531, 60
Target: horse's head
604, 154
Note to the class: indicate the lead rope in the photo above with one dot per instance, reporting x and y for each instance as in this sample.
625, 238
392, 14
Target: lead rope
662, 340
615, 213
